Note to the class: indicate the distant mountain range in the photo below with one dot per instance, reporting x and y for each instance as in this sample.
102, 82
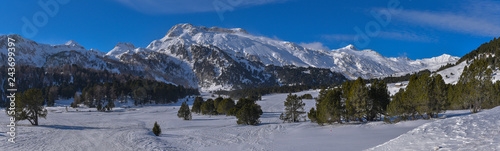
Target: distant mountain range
218, 58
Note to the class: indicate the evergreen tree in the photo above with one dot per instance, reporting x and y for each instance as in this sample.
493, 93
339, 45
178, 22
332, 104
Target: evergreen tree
358, 98
383, 97
422, 98
475, 83
378, 100
216, 103
249, 114
208, 107
349, 108
184, 112
438, 96
110, 105
412, 97
198, 101
29, 106
399, 107
312, 115
225, 106
329, 105
156, 129
244, 101
294, 108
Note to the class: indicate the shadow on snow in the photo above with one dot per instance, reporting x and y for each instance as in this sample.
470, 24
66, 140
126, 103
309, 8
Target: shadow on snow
67, 127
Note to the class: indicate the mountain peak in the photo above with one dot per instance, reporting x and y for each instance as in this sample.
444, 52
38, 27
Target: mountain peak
73, 43
445, 58
120, 49
350, 46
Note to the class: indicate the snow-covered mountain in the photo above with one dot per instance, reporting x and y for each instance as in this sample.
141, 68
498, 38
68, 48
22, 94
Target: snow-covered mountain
218, 58
237, 42
29, 52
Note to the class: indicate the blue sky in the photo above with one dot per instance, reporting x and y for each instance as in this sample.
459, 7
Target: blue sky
416, 29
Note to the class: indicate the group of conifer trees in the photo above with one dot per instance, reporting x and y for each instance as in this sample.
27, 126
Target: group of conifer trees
354, 101
475, 89
246, 110
425, 97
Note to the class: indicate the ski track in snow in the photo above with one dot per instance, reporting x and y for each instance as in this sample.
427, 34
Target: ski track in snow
130, 129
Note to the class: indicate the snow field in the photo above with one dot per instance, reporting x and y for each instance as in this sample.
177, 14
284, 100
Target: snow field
130, 129
479, 131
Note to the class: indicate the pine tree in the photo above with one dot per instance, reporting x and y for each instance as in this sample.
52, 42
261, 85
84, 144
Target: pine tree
294, 108
349, 107
244, 101
184, 112
397, 107
198, 101
249, 114
208, 107
381, 98
423, 98
329, 106
225, 105
358, 98
412, 96
29, 106
438, 96
475, 82
156, 129
312, 115
216, 104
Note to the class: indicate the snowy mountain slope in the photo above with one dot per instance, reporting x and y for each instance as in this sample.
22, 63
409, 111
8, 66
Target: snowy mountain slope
238, 43
452, 74
121, 49
138, 61
479, 131
29, 52
217, 58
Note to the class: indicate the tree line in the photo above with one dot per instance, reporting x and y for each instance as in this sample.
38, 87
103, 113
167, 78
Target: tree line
353, 101
68, 81
475, 90
491, 47
247, 111
424, 97
142, 91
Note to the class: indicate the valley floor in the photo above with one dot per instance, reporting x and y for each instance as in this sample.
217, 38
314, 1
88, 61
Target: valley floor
130, 129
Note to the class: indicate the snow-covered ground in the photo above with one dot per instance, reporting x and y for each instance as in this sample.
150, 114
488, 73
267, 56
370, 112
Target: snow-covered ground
393, 89
130, 129
479, 131
452, 74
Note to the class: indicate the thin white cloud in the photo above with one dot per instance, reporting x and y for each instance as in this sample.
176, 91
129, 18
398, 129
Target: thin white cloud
480, 18
315, 46
482, 8
339, 37
399, 35
406, 36
189, 6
